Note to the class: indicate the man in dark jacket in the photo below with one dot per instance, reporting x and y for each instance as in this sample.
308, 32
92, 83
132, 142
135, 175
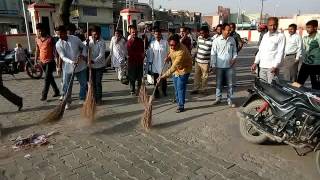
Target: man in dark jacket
135, 47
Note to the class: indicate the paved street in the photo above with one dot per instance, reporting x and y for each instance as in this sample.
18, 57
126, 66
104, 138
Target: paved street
202, 143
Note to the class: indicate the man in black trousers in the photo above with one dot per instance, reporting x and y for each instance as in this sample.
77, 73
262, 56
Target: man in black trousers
10, 96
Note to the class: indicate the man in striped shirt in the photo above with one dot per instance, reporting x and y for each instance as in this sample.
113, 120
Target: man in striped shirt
202, 61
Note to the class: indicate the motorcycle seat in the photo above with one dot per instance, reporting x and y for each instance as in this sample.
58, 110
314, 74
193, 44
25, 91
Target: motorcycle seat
274, 92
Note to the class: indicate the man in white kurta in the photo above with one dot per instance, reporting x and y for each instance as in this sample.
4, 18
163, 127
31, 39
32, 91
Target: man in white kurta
157, 53
118, 52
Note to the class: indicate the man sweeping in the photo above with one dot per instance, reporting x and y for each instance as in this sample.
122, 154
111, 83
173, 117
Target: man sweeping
181, 69
72, 52
98, 60
135, 47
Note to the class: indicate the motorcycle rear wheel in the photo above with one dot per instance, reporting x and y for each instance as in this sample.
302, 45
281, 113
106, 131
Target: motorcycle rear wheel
34, 71
247, 129
318, 160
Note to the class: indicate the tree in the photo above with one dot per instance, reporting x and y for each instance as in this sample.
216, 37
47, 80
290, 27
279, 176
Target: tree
65, 11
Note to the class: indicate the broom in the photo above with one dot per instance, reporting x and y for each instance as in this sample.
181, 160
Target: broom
146, 120
89, 107
57, 113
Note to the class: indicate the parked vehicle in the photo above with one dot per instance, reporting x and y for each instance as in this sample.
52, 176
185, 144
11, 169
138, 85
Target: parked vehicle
9, 66
283, 113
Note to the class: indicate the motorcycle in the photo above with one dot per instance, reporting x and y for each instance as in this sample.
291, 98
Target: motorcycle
9, 66
282, 113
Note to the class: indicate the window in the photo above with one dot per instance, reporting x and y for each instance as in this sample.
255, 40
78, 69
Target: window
90, 11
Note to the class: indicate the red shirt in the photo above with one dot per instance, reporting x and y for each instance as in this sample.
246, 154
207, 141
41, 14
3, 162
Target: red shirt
135, 48
45, 49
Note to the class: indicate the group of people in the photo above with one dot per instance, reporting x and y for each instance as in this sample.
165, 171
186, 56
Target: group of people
134, 56
298, 58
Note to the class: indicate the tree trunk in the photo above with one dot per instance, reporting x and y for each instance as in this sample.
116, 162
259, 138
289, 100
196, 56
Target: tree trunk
65, 11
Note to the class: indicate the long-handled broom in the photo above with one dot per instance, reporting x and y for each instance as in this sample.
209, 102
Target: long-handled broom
57, 113
146, 120
89, 107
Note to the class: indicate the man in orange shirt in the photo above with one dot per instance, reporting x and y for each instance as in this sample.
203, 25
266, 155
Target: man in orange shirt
45, 51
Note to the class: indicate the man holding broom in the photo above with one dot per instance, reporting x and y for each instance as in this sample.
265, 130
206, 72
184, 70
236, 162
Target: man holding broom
181, 69
72, 52
135, 47
98, 61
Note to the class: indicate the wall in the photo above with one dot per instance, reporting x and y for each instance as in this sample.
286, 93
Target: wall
22, 39
104, 16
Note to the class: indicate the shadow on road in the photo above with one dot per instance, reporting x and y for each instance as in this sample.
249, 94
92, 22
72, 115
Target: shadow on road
10, 130
39, 108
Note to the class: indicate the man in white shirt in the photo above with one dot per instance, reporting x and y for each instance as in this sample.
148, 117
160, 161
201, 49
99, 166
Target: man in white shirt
98, 61
156, 54
271, 52
223, 58
293, 53
118, 49
72, 52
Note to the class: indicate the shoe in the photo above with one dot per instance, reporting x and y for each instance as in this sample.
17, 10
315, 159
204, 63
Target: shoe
173, 101
194, 92
157, 95
217, 101
132, 93
165, 94
43, 99
61, 98
180, 110
230, 104
68, 105
20, 107
81, 102
56, 95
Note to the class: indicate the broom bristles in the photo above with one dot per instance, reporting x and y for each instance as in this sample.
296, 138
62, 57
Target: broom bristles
146, 120
56, 114
143, 94
89, 107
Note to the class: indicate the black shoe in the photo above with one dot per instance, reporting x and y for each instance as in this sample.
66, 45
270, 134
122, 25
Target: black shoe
20, 107
157, 95
165, 94
43, 99
180, 110
194, 92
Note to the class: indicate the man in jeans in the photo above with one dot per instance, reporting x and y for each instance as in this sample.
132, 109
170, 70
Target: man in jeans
223, 58
98, 48
293, 53
311, 58
45, 52
72, 52
271, 52
180, 68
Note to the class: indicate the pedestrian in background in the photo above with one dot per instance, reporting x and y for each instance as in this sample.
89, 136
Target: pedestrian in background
20, 57
293, 52
72, 52
45, 53
136, 54
311, 57
271, 52
218, 31
223, 58
184, 39
157, 53
181, 68
98, 61
118, 50
202, 65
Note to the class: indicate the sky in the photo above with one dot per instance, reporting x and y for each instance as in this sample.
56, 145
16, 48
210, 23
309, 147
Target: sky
277, 7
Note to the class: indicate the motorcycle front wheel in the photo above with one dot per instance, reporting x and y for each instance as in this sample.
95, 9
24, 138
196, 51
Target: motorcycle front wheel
318, 160
34, 71
247, 129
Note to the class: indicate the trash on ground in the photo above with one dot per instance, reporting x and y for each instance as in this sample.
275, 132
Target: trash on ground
27, 156
32, 141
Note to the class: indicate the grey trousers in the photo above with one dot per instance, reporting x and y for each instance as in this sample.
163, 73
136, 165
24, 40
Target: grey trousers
290, 68
265, 74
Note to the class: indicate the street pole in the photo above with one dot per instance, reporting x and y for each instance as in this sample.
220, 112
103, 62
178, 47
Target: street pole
261, 11
27, 26
151, 2
238, 18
